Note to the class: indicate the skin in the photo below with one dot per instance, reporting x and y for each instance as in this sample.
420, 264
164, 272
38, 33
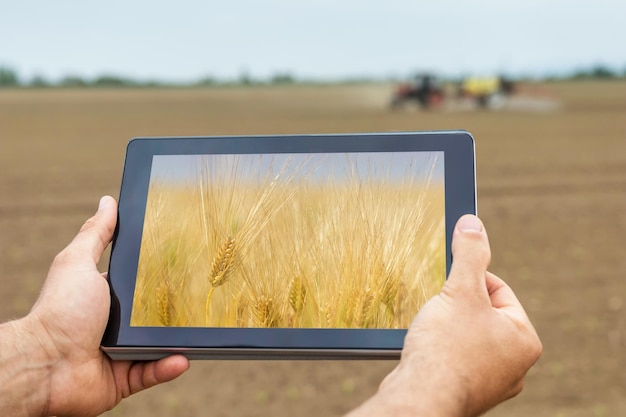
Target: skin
50, 361
469, 347
466, 351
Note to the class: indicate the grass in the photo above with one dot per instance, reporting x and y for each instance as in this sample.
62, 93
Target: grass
286, 249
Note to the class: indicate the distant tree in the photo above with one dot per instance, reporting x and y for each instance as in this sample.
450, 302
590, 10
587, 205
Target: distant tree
72, 81
39, 81
150, 83
8, 77
206, 81
112, 81
245, 78
548, 78
596, 72
282, 78
601, 71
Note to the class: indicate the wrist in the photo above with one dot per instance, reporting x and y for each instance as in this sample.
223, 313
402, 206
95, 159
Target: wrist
25, 368
419, 387
431, 393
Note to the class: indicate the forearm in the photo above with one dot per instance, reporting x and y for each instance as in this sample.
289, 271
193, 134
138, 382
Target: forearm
383, 405
24, 370
411, 395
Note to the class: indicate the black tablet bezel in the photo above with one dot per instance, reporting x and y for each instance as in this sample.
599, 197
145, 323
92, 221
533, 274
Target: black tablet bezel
120, 337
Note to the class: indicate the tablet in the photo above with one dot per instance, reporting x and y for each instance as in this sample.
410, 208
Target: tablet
291, 246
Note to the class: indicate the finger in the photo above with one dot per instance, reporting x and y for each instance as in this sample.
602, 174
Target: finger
148, 374
500, 293
471, 255
504, 299
97, 232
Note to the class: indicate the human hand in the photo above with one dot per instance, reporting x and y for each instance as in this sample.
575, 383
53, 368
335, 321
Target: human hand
469, 347
69, 320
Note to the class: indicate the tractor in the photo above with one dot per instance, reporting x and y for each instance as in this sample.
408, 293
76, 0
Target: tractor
429, 92
487, 93
426, 91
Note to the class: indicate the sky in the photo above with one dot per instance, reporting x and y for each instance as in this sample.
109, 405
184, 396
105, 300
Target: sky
325, 39
412, 167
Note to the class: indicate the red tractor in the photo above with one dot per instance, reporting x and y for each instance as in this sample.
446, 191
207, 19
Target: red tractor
426, 91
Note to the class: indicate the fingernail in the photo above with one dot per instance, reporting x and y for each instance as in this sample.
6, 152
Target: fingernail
103, 203
470, 223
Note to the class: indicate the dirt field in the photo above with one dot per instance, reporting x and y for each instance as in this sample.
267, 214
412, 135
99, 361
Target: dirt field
552, 192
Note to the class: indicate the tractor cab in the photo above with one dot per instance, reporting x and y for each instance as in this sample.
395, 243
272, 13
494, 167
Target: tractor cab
425, 90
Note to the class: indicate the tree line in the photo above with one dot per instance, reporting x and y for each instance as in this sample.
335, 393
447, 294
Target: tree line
10, 78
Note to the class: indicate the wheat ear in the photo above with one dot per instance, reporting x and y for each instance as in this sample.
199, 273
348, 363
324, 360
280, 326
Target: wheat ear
297, 294
389, 295
297, 298
365, 318
221, 269
328, 315
163, 303
266, 311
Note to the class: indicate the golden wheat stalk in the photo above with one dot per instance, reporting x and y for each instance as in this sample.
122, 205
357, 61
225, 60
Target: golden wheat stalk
401, 300
297, 294
328, 316
221, 269
222, 264
266, 311
365, 318
242, 306
163, 303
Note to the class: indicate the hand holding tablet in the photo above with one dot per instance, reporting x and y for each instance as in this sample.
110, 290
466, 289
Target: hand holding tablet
283, 246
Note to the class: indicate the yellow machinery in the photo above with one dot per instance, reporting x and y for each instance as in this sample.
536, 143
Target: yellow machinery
487, 91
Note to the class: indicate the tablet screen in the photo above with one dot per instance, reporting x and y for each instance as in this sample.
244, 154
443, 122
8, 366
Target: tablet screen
302, 240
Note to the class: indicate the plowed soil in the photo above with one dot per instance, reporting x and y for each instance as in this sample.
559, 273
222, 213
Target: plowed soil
551, 191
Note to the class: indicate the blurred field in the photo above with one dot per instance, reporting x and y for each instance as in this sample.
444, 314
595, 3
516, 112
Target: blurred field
552, 192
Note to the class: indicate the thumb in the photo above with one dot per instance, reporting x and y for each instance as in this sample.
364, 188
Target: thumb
471, 255
97, 232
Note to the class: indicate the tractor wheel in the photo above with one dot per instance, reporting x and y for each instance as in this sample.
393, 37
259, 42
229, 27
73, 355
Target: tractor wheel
435, 100
396, 103
482, 101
